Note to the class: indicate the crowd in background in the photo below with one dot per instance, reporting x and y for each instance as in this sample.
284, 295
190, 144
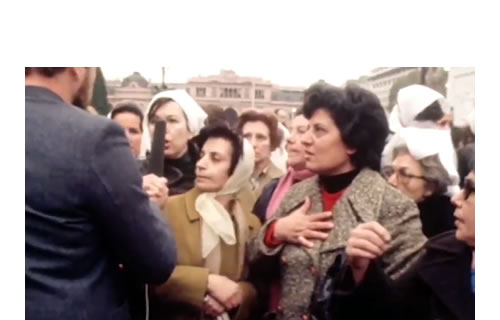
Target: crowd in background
334, 212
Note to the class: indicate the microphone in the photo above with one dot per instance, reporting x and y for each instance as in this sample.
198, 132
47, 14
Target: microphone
157, 160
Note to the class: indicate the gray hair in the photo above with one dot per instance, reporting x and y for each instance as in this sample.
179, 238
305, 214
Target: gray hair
437, 177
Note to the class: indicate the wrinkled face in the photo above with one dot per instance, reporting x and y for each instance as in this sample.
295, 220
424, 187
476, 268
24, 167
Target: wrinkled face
83, 95
406, 175
325, 152
177, 134
257, 133
212, 170
131, 123
465, 211
295, 149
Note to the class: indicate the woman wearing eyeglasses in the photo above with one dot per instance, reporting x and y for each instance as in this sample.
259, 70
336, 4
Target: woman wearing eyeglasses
441, 285
422, 172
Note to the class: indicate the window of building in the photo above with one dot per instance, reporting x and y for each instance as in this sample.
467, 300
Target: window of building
259, 94
201, 92
230, 93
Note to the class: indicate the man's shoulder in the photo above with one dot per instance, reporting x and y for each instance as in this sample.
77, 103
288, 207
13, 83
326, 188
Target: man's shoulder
68, 121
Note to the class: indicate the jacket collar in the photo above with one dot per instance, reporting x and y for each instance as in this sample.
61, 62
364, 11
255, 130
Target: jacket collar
41, 93
355, 206
190, 200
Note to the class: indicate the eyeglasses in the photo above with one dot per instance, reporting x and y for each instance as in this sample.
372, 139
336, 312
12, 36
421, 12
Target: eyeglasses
402, 174
469, 188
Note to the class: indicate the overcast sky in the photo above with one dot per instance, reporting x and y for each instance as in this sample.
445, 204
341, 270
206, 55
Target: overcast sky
284, 74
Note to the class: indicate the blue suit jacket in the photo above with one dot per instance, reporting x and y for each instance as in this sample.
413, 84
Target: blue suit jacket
85, 214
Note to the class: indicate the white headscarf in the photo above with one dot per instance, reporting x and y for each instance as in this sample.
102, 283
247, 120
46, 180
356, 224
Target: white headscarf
423, 138
411, 101
195, 115
217, 222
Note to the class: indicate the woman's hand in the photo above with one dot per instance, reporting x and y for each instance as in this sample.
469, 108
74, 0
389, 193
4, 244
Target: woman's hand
156, 189
300, 227
227, 292
212, 307
367, 242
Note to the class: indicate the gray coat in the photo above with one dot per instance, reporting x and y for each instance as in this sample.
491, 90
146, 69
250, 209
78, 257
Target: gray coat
368, 198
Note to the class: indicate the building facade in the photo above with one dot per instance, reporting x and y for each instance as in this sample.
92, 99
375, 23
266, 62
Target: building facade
227, 89
461, 92
381, 80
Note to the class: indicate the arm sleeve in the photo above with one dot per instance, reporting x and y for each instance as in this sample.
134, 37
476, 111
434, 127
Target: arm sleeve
130, 222
401, 218
187, 285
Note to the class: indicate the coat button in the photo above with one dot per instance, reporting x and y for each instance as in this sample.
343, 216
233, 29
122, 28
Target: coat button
313, 271
280, 309
305, 317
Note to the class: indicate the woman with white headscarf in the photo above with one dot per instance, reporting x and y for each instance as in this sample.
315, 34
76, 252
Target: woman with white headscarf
422, 108
422, 170
212, 224
184, 119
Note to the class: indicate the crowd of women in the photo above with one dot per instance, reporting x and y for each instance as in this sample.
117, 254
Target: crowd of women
370, 217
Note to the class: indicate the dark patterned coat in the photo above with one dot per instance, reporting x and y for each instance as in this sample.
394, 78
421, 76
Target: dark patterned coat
368, 198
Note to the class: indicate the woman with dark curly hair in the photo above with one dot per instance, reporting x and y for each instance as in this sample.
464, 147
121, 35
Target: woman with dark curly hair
343, 146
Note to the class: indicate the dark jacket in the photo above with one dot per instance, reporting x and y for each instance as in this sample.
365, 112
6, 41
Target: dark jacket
262, 203
436, 214
85, 212
180, 173
437, 287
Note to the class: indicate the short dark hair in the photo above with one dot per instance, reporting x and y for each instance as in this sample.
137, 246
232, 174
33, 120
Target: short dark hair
223, 132
128, 108
268, 119
48, 72
433, 113
359, 117
466, 157
156, 105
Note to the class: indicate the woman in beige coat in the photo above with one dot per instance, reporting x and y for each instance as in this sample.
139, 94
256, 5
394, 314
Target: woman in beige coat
212, 224
343, 145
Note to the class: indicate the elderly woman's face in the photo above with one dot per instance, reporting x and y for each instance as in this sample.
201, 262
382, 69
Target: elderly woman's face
465, 202
406, 174
325, 152
259, 136
212, 170
177, 135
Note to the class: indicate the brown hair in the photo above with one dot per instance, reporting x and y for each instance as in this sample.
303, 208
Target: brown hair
48, 72
433, 170
268, 119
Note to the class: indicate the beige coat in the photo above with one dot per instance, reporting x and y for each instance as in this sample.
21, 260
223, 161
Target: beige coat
368, 198
271, 173
181, 297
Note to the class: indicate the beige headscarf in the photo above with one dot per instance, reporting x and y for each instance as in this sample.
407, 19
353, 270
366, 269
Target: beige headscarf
195, 115
216, 221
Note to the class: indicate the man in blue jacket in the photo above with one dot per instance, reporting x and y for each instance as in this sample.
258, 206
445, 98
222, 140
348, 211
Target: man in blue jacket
85, 208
